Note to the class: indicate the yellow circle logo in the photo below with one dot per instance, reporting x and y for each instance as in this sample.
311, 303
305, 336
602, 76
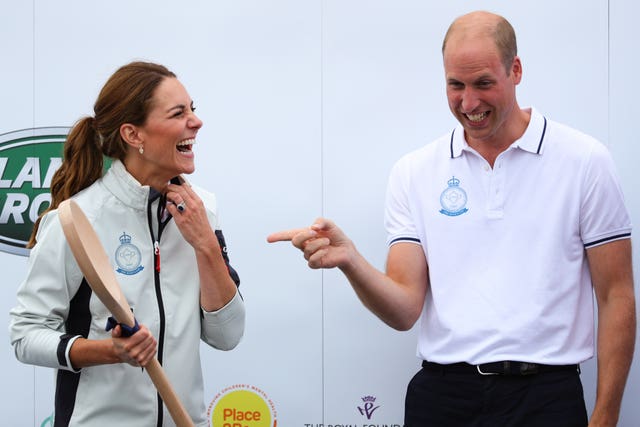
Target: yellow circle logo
242, 406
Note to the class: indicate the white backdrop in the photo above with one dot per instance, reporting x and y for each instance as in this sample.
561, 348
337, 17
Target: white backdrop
306, 105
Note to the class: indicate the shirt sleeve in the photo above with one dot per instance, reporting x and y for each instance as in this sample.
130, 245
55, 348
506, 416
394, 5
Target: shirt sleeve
398, 220
604, 216
223, 328
37, 322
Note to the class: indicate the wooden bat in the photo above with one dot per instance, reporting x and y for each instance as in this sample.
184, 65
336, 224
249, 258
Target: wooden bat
94, 264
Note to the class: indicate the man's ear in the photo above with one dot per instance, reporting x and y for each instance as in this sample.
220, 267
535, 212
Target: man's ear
516, 69
130, 134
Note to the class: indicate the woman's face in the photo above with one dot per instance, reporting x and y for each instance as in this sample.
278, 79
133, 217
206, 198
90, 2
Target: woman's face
167, 136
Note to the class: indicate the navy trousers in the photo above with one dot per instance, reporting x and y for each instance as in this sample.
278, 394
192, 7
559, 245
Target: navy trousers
444, 399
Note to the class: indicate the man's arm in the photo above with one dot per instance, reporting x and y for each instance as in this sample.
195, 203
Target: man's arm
396, 297
612, 276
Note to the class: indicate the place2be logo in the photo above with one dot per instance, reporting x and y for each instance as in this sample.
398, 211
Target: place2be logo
28, 160
242, 405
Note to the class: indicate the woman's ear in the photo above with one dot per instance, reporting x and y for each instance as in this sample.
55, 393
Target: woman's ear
130, 134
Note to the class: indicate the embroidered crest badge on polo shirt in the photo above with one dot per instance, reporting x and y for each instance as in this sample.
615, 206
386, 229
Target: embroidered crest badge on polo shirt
128, 256
453, 199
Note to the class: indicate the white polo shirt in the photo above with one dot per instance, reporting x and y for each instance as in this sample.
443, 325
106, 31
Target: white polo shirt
508, 272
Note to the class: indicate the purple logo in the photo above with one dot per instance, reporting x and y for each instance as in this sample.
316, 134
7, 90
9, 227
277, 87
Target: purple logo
368, 408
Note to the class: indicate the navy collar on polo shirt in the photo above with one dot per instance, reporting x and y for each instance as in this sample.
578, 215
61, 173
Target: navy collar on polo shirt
532, 140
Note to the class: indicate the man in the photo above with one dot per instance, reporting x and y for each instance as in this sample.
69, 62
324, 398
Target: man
500, 233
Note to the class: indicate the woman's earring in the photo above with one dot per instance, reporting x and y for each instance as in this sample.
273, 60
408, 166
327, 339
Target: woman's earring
141, 149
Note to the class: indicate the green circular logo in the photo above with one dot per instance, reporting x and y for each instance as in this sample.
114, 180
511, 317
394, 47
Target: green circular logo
28, 160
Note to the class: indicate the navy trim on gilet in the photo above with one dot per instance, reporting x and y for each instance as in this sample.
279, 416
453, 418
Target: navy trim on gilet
78, 323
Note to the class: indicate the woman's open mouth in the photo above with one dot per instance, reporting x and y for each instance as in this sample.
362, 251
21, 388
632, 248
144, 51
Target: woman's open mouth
186, 145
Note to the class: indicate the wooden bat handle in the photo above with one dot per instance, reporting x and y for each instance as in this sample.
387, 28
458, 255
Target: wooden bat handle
160, 380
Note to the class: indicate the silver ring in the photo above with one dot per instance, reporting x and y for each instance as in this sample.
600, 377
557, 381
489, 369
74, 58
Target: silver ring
181, 206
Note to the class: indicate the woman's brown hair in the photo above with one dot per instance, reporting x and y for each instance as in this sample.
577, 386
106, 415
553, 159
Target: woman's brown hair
125, 98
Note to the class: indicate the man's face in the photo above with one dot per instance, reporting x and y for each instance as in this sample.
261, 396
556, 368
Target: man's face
480, 93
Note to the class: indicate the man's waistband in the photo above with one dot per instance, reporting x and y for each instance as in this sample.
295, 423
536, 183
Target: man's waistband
506, 367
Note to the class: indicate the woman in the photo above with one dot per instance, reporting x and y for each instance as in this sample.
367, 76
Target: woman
164, 242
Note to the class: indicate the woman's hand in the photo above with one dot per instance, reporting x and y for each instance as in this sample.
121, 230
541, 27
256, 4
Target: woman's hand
190, 216
136, 350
